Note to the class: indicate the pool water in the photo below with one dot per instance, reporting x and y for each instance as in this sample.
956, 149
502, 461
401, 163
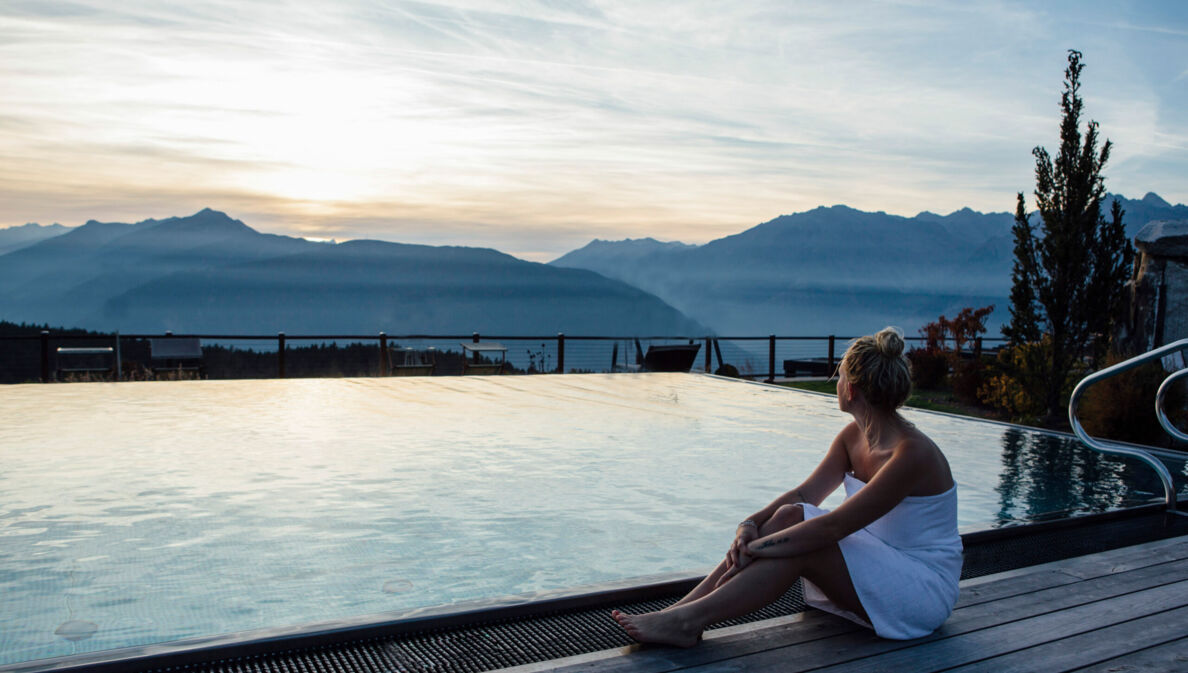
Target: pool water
135, 513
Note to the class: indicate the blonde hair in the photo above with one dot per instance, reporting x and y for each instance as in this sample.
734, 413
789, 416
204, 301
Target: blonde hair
876, 366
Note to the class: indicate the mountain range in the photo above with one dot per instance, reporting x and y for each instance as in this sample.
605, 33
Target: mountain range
211, 273
836, 270
15, 238
831, 270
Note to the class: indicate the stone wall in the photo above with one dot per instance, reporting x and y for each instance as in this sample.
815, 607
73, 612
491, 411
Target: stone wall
1158, 311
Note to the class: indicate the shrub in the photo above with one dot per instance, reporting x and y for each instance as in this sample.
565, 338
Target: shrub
1015, 385
929, 367
727, 369
968, 376
1122, 407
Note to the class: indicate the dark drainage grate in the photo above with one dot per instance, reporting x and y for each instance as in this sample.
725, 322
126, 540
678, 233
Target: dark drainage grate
512, 643
500, 638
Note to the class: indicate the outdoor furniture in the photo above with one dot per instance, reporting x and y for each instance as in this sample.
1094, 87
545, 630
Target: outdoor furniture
806, 367
176, 354
88, 360
473, 354
670, 357
412, 362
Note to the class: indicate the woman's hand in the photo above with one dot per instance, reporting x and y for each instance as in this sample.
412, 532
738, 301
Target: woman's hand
739, 556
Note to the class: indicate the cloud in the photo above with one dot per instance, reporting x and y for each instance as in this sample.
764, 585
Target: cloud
541, 125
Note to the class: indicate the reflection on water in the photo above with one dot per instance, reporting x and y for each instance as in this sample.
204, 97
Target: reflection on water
143, 512
1044, 476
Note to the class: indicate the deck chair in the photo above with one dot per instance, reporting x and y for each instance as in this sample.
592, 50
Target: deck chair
98, 360
412, 362
176, 354
473, 354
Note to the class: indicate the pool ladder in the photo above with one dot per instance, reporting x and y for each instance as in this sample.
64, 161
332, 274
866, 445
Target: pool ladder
1169, 488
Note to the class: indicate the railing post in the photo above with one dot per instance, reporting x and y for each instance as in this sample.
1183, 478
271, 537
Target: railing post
709, 357
280, 355
384, 367
45, 356
475, 339
978, 350
119, 364
770, 359
832, 340
560, 352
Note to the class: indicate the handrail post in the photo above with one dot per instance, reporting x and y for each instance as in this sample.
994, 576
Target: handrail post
119, 364
280, 355
709, 362
474, 339
832, 341
383, 343
560, 352
770, 359
45, 356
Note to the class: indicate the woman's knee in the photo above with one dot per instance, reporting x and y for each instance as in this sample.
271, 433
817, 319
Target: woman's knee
786, 515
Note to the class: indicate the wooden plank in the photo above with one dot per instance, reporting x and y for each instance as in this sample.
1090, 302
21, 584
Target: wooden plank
1090, 648
942, 654
973, 619
1102, 563
1171, 656
1069, 571
817, 629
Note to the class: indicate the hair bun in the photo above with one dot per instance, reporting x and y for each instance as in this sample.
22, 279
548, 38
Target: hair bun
889, 342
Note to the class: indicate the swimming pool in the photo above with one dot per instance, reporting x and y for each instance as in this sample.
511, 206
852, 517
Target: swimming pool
134, 513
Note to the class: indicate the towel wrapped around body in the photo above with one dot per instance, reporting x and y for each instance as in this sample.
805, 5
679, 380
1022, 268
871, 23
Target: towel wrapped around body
905, 566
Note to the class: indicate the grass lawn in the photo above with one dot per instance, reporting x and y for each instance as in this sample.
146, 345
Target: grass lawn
932, 400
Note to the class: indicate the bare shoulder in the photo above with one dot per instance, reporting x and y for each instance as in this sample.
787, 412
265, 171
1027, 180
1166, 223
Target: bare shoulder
924, 457
851, 434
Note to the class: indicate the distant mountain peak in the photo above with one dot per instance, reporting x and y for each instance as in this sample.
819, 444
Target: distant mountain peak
207, 220
1153, 199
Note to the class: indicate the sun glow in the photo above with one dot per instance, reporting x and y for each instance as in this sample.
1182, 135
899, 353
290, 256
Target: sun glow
493, 122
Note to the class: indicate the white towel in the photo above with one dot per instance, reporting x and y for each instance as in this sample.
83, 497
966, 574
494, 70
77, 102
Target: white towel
905, 566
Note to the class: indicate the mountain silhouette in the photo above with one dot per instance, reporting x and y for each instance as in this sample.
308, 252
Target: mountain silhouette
15, 238
211, 273
836, 270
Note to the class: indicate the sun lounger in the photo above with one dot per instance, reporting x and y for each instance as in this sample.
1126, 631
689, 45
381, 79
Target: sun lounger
474, 354
176, 354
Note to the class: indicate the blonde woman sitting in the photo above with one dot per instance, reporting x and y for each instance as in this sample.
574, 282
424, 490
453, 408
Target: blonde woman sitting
889, 557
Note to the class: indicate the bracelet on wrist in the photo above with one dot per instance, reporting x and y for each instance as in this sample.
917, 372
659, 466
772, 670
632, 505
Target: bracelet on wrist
749, 522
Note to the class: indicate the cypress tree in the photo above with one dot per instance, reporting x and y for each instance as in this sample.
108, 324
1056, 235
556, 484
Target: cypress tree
1071, 267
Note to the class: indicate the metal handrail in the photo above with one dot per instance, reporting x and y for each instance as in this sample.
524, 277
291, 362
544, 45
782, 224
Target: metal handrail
1169, 488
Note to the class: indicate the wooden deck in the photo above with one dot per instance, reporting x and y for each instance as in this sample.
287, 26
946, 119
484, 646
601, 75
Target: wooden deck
1124, 610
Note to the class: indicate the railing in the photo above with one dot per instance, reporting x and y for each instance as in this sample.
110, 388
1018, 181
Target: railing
1169, 488
754, 357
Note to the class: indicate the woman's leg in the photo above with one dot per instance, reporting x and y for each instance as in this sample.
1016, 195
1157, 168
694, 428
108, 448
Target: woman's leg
785, 516
760, 583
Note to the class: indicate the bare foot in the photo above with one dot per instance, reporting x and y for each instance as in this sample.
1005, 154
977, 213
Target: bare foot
664, 628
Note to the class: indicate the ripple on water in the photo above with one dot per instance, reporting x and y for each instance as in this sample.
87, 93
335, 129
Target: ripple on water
76, 630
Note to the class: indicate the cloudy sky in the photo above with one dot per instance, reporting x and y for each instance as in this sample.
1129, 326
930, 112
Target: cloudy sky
534, 127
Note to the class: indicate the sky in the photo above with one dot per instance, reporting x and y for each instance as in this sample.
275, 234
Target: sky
534, 127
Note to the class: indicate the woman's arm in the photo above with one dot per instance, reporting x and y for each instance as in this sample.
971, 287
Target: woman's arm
893, 482
824, 479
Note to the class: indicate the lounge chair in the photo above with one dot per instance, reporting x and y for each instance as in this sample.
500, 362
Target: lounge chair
176, 354
474, 353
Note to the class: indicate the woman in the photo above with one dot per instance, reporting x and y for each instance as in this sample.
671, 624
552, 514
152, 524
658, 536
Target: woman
888, 558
